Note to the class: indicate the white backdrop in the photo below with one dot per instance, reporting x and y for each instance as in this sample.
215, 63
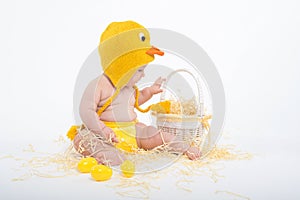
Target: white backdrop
255, 45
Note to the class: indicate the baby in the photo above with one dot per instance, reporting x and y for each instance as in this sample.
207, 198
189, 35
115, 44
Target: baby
107, 105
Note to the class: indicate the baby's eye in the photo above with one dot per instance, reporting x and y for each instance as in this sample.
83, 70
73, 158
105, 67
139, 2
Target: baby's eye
142, 37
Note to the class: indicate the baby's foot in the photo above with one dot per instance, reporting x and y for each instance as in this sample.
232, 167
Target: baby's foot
103, 152
193, 153
110, 158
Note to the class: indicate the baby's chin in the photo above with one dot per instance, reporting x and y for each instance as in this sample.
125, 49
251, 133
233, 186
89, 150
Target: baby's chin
130, 84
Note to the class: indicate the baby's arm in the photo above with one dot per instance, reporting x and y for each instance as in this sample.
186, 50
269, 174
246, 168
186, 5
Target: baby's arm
148, 92
88, 111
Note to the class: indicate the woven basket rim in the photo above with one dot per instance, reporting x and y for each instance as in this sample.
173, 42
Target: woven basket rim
177, 116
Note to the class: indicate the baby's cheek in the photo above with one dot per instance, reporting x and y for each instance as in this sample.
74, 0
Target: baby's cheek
138, 77
131, 100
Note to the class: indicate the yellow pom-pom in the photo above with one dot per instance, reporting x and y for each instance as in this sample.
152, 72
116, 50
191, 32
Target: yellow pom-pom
72, 132
101, 173
128, 168
163, 107
85, 164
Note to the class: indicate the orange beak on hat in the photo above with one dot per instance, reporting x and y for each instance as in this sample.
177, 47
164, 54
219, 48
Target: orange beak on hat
153, 50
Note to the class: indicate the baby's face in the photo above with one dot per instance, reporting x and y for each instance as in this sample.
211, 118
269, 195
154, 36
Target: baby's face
137, 76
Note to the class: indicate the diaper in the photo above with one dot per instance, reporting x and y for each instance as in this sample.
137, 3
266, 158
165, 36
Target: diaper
125, 133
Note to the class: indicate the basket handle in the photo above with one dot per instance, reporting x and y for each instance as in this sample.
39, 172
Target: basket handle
162, 97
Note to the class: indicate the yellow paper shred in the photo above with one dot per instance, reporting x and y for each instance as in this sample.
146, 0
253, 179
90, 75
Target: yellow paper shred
233, 194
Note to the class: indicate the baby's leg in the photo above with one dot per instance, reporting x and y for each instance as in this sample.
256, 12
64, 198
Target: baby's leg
103, 152
148, 137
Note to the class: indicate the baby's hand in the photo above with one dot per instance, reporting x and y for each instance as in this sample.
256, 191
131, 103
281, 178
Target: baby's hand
155, 88
109, 134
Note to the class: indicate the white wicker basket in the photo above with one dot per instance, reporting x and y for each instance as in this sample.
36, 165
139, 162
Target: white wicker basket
187, 127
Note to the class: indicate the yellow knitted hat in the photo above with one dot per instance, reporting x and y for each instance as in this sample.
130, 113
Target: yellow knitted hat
124, 47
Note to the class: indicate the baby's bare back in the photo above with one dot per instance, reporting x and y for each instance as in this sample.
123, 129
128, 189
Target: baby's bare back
122, 107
